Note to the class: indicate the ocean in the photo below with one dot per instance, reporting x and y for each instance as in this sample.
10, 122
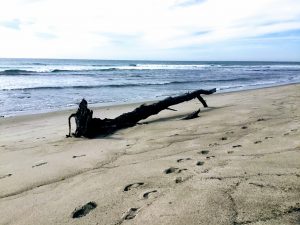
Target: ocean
41, 85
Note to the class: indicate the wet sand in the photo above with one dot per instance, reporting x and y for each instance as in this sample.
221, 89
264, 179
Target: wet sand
238, 163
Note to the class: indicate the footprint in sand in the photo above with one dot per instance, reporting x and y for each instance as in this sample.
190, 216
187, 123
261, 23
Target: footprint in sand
173, 170
134, 185
237, 146
224, 138
261, 119
244, 127
178, 180
181, 160
130, 214
146, 194
205, 171
257, 142
7, 175
268, 138
214, 144
200, 163
203, 152
83, 210
39, 164
77, 156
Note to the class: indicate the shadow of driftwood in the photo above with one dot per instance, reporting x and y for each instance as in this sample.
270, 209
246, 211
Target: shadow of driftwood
154, 121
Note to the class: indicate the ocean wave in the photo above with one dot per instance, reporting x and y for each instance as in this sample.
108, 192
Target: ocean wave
82, 70
234, 81
15, 72
230, 87
60, 71
38, 64
49, 71
238, 79
39, 68
253, 85
98, 86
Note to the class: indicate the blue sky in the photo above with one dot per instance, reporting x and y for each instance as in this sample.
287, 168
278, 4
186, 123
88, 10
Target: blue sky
151, 29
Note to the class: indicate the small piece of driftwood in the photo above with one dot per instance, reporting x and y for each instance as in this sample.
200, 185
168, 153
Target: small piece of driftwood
89, 127
192, 115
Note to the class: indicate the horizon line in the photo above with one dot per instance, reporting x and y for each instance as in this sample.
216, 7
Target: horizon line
153, 60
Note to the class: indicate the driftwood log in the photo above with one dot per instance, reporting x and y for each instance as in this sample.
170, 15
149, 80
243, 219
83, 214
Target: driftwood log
90, 127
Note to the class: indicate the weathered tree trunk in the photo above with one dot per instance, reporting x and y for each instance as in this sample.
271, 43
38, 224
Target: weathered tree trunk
88, 126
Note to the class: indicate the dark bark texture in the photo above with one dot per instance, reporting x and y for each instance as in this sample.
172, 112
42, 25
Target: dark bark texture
90, 127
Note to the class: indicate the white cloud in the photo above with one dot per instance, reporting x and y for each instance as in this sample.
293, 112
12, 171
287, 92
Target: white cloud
118, 28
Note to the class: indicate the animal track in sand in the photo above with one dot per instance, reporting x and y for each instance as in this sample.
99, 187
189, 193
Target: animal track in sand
181, 160
146, 194
209, 157
230, 152
134, 185
224, 138
77, 156
237, 146
268, 138
83, 210
200, 163
39, 164
204, 152
173, 170
130, 214
257, 142
244, 127
7, 175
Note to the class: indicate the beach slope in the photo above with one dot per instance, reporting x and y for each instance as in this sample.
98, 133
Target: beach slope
238, 163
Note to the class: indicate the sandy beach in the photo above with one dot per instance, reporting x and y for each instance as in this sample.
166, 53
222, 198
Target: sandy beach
238, 163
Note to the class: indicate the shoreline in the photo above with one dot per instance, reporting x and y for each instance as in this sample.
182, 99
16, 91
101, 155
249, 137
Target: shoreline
37, 86
97, 106
238, 160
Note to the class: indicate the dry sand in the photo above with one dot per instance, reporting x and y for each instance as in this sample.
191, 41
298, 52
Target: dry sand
238, 163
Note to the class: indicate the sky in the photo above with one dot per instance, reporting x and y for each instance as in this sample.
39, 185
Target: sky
260, 30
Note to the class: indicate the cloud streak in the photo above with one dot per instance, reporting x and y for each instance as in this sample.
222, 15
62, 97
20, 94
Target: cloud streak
11, 24
46, 36
187, 3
